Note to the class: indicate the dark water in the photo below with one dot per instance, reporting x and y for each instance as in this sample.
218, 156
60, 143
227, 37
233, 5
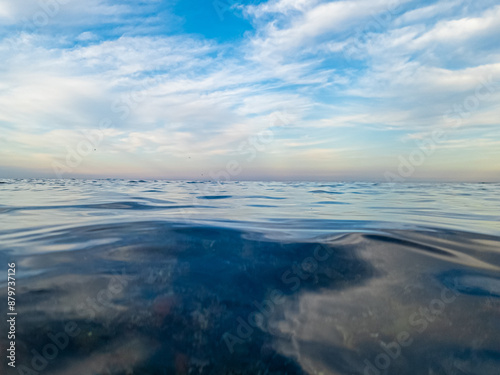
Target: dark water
136, 277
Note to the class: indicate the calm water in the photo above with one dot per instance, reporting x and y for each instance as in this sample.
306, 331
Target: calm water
157, 277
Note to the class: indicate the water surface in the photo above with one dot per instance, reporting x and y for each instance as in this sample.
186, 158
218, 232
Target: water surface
165, 277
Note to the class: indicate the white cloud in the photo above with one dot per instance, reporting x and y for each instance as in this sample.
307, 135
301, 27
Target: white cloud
458, 30
421, 14
5, 9
37, 14
177, 95
170, 97
86, 36
312, 23
279, 6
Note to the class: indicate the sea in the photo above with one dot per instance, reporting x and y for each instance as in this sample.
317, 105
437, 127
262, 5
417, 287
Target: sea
112, 276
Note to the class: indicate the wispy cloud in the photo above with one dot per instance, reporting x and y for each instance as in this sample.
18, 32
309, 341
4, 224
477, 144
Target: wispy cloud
343, 71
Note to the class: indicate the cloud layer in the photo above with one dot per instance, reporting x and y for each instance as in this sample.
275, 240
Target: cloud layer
342, 89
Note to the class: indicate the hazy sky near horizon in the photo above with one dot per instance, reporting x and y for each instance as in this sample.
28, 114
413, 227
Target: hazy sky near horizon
243, 89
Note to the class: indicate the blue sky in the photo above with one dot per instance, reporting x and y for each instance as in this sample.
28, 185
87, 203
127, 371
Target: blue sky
285, 89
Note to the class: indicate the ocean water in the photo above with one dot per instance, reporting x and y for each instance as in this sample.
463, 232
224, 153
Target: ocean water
186, 277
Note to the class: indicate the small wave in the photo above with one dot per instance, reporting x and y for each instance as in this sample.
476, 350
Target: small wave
153, 200
214, 196
264, 197
408, 244
471, 282
261, 205
103, 206
325, 192
332, 202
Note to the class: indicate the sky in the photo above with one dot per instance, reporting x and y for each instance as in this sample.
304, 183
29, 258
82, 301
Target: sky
380, 90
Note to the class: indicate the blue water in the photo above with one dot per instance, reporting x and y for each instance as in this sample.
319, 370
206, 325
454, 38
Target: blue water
171, 277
